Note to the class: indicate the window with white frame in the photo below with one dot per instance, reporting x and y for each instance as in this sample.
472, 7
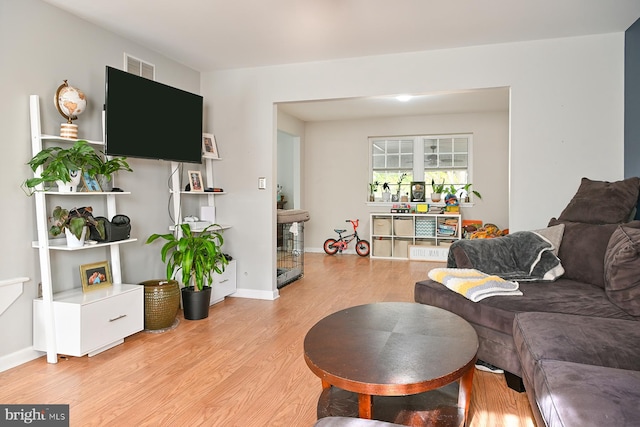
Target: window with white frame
398, 161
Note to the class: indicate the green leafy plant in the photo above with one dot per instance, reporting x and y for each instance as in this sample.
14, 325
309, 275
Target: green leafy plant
373, 187
57, 162
437, 188
197, 255
467, 190
108, 167
74, 220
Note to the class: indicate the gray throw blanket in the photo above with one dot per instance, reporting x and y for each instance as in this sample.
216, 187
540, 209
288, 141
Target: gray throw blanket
520, 256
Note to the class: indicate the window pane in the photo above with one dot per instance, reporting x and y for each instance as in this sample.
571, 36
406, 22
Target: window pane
378, 147
461, 145
393, 147
460, 160
446, 145
446, 160
378, 162
393, 161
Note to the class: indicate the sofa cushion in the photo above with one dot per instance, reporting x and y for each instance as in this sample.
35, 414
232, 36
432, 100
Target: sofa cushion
614, 343
561, 296
582, 250
573, 394
622, 269
554, 235
603, 202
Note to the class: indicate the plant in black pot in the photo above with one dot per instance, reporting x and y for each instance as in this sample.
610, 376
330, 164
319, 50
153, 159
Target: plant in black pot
62, 166
198, 256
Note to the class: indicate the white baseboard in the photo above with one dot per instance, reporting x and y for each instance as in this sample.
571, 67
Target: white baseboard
19, 357
253, 294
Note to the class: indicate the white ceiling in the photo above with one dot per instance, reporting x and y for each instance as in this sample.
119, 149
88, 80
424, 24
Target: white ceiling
207, 35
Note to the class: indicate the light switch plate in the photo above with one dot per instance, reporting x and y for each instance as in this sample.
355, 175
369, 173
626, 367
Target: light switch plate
262, 183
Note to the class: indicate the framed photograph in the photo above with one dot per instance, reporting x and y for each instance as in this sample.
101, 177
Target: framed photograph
418, 191
209, 146
90, 183
195, 181
95, 276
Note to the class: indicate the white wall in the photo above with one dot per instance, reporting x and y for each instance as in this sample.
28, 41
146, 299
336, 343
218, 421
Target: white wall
41, 46
566, 121
339, 184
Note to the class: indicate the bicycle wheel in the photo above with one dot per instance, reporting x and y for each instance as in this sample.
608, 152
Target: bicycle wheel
363, 248
329, 247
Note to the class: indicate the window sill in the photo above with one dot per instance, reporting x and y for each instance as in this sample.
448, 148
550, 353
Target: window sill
391, 204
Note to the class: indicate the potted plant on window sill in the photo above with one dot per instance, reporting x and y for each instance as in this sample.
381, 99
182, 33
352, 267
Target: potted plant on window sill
198, 256
436, 191
74, 223
63, 166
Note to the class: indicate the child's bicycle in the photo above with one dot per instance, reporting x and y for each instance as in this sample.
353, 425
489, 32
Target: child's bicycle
332, 246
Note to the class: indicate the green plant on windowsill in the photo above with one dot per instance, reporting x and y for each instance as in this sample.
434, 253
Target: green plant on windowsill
467, 189
437, 188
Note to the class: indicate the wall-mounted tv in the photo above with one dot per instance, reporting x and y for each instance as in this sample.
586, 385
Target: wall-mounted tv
150, 120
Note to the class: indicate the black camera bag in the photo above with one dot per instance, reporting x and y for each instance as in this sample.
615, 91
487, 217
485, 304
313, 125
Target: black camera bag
119, 228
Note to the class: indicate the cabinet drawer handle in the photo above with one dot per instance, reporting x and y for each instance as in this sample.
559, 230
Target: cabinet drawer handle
225, 280
117, 318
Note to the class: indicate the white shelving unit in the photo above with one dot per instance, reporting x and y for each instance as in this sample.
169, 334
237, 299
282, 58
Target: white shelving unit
73, 322
223, 284
396, 235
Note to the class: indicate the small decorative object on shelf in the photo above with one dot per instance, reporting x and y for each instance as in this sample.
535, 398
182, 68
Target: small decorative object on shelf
209, 146
95, 276
70, 102
417, 191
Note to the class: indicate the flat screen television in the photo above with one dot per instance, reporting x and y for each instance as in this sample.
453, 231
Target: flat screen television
150, 120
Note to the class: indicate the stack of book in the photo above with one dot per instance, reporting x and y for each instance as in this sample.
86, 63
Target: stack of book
449, 227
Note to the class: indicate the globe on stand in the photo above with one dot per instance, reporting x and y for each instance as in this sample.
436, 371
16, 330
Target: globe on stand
70, 102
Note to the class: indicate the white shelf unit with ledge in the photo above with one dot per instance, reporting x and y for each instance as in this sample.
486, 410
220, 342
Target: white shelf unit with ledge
223, 284
73, 322
403, 235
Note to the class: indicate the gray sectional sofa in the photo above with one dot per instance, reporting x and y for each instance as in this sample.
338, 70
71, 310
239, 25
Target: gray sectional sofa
574, 343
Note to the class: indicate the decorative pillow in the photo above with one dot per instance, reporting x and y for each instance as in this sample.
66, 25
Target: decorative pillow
622, 269
602, 202
582, 250
553, 235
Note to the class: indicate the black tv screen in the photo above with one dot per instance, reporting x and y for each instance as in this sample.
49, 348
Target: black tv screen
150, 120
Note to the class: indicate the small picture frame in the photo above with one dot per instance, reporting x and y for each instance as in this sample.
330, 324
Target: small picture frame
195, 181
90, 183
95, 276
209, 146
418, 192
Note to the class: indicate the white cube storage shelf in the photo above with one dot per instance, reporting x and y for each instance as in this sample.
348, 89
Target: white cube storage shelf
393, 235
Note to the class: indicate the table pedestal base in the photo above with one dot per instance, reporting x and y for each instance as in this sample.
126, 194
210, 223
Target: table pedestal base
433, 408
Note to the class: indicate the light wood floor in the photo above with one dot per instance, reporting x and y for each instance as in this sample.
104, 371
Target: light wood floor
243, 366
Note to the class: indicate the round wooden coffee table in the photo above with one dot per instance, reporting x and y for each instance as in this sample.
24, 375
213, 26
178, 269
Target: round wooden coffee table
394, 349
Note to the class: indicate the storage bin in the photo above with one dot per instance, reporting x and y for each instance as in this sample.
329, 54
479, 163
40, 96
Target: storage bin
425, 227
403, 226
382, 226
401, 248
382, 248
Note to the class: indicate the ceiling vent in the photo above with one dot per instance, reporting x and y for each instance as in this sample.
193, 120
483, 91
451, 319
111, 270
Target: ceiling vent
139, 67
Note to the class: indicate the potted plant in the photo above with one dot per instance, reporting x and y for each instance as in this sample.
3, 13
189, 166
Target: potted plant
63, 166
106, 168
74, 223
198, 256
436, 192
373, 187
467, 189
402, 177
386, 192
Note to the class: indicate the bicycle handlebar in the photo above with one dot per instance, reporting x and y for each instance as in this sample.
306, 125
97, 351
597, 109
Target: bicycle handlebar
354, 223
